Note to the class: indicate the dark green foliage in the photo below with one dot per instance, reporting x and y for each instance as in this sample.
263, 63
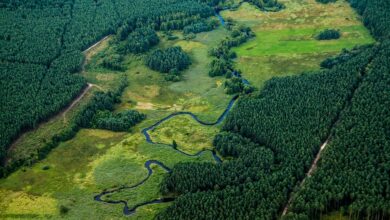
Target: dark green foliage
222, 65
354, 171
235, 85
328, 34
113, 62
121, 121
63, 209
272, 139
326, 1
344, 56
375, 16
140, 40
170, 60
41, 44
100, 102
201, 26
267, 5
174, 144
219, 67
30, 93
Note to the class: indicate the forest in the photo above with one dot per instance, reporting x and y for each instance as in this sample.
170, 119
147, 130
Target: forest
297, 112
353, 174
267, 142
34, 68
286, 123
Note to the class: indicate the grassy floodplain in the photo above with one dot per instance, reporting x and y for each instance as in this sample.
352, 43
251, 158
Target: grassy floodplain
97, 159
285, 43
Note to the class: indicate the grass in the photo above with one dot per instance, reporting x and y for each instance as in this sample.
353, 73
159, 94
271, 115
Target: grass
285, 41
190, 136
96, 159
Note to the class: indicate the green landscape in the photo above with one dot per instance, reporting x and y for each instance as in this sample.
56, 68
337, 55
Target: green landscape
195, 109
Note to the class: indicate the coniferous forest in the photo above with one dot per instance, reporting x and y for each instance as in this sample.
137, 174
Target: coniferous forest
296, 147
37, 73
272, 137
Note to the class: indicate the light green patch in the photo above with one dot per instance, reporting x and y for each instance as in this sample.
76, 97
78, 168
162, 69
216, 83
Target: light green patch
301, 41
285, 41
190, 136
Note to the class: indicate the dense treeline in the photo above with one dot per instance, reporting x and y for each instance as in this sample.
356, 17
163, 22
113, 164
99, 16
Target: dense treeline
222, 64
36, 70
328, 34
121, 121
201, 26
140, 40
291, 117
375, 16
171, 60
100, 102
353, 174
354, 171
326, 1
267, 5
344, 56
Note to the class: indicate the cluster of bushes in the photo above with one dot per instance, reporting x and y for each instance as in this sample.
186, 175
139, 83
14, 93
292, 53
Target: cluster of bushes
113, 62
236, 85
326, 1
328, 34
171, 60
121, 121
267, 5
138, 41
222, 64
200, 26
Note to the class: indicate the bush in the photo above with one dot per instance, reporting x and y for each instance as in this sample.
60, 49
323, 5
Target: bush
122, 121
328, 34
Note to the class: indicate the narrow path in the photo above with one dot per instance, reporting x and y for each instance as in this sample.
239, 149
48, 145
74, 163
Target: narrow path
65, 111
308, 174
347, 103
77, 100
96, 44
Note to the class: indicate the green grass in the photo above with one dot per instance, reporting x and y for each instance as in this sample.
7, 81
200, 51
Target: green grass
190, 136
285, 41
96, 160
301, 41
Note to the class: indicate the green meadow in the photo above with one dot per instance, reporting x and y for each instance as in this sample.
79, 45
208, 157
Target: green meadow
285, 41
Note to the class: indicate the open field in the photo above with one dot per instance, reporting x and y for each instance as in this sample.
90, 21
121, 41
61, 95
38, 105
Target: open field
285, 43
